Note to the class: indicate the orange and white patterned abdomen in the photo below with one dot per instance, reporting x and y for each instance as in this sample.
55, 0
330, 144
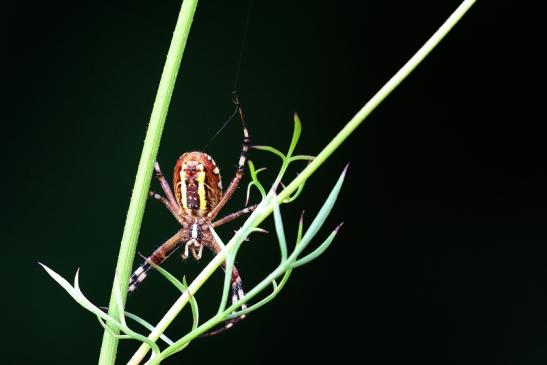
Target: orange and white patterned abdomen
197, 183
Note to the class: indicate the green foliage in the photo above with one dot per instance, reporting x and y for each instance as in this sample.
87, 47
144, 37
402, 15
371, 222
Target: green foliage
115, 321
287, 263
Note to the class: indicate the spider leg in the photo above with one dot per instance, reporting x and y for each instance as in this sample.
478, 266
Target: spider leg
235, 215
157, 257
237, 287
237, 293
166, 188
242, 159
165, 202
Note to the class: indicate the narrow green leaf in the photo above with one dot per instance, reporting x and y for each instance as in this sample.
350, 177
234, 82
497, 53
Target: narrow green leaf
295, 135
195, 318
227, 282
146, 325
145, 340
194, 307
248, 193
229, 264
254, 171
119, 300
172, 279
86, 303
318, 251
279, 230
77, 295
61, 281
259, 230
271, 149
302, 158
297, 193
322, 215
121, 337
254, 177
300, 228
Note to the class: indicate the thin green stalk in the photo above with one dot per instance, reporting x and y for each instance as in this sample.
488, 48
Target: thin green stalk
377, 99
266, 207
144, 172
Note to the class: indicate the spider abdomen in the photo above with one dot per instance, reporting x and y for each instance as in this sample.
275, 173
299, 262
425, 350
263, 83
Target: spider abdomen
197, 183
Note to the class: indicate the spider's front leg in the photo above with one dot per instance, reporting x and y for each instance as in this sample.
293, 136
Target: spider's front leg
242, 159
170, 202
165, 202
166, 188
157, 257
235, 215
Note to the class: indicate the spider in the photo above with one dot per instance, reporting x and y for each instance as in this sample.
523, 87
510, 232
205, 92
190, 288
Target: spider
197, 200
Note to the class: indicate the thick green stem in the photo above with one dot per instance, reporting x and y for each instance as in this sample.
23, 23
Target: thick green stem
266, 207
144, 172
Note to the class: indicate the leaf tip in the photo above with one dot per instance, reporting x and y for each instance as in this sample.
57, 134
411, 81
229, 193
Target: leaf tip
77, 278
345, 169
338, 228
260, 230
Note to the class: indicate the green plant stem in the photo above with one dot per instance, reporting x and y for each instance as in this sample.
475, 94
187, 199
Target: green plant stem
266, 207
144, 172
369, 107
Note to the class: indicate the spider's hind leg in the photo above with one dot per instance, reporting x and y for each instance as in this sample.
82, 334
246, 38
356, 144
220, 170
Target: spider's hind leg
237, 292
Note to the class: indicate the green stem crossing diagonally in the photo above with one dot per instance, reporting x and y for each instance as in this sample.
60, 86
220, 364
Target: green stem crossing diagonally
267, 205
116, 326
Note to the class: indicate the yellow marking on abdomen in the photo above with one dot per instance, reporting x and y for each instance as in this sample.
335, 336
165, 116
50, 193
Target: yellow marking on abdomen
201, 190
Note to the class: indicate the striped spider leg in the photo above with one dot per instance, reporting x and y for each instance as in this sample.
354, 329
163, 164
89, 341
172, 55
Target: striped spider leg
195, 203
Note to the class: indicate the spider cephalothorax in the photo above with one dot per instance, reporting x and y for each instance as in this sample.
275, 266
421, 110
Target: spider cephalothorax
197, 200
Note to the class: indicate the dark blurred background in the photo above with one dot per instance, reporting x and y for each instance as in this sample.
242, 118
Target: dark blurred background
442, 257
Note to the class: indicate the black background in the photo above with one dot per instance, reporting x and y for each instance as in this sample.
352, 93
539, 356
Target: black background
442, 257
